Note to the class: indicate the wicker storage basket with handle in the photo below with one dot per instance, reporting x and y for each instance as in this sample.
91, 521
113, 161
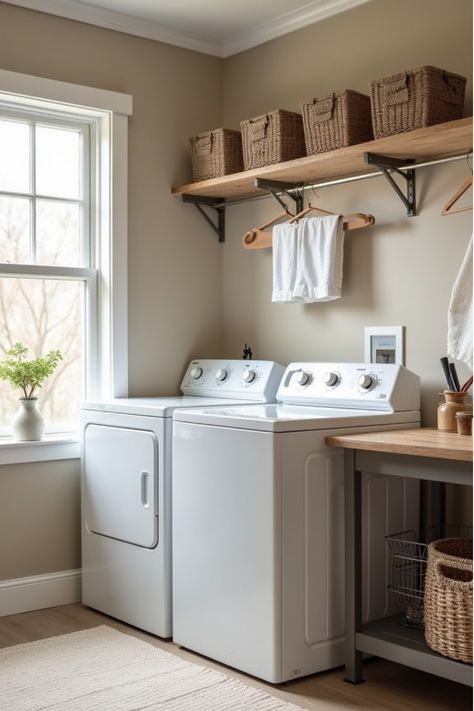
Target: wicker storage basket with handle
448, 598
272, 138
336, 120
216, 153
414, 99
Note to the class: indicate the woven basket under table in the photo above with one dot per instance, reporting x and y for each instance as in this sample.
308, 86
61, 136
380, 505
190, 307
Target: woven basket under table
216, 153
336, 120
272, 138
448, 598
414, 99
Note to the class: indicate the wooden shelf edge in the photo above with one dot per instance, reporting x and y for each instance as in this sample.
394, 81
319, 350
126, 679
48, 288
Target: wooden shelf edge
438, 141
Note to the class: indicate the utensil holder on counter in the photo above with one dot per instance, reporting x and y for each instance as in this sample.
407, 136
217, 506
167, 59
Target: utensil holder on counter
453, 402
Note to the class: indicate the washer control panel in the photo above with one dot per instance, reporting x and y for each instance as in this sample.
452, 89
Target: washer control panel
371, 386
241, 379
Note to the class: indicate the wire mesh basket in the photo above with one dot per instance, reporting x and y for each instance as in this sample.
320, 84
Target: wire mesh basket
409, 556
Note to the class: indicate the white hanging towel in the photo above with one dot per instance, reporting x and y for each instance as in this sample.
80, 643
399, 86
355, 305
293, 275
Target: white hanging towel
460, 313
307, 259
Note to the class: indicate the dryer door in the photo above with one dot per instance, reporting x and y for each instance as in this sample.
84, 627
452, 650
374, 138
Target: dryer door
120, 483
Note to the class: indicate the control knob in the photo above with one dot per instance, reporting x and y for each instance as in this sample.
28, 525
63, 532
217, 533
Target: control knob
196, 373
249, 375
366, 381
331, 379
222, 374
303, 378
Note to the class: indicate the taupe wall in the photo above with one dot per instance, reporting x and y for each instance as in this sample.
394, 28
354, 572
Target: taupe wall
175, 305
399, 272
40, 521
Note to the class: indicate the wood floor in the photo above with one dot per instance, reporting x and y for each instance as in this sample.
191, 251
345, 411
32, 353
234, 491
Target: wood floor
387, 685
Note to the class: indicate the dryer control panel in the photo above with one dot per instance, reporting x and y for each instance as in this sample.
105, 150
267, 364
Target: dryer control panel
367, 386
253, 380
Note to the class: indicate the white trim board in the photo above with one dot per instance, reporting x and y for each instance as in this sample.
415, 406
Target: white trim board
39, 591
120, 22
64, 93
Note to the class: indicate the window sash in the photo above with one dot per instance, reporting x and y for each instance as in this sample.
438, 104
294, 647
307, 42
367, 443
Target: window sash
85, 126
90, 277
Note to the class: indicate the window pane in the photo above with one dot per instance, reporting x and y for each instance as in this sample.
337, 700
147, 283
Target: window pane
14, 230
58, 162
44, 315
15, 156
58, 234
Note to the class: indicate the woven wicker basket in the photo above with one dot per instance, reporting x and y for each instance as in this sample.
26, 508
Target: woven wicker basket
448, 598
417, 98
336, 120
272, 138
216, 153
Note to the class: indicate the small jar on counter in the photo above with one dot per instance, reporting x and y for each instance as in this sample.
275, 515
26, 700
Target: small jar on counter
464, 423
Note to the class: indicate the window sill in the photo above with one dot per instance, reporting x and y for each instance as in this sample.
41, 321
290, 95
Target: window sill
52, 447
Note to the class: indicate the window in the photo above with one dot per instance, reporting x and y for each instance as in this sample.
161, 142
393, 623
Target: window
62, 239
45, 188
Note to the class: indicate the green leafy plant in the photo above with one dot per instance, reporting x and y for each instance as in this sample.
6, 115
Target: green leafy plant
27, 375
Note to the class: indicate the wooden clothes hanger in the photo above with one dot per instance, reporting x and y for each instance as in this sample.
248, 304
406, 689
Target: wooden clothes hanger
259, 239
448, 208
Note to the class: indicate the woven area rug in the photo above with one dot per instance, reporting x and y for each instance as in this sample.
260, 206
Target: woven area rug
100, 669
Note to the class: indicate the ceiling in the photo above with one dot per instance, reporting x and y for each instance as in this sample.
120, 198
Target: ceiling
219, 28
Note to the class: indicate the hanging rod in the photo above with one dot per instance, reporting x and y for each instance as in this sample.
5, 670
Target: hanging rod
350, 179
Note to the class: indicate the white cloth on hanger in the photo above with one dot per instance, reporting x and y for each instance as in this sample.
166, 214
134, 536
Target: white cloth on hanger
460, 313
307, 259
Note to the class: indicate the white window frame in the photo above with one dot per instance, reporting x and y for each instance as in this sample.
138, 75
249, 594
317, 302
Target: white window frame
107, 113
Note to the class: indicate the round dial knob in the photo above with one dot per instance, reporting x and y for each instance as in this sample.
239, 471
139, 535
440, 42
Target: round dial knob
366, 382
249, 376
303, 377
331, 379
196, 373
222, 374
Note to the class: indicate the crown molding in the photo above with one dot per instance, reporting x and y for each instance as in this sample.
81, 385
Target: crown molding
120, 22
283, 25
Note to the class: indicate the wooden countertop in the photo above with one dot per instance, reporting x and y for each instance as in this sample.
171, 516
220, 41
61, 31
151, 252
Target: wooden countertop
422, 442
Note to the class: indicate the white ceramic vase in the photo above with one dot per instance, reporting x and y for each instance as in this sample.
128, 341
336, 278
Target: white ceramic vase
28, 423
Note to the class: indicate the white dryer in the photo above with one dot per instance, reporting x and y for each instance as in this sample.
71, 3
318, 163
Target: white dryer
258, 518
126, 488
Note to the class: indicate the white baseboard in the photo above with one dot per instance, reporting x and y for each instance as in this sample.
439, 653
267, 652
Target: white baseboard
39, 591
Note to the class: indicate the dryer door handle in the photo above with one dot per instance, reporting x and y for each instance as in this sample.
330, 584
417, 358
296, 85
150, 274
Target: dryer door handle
144, 489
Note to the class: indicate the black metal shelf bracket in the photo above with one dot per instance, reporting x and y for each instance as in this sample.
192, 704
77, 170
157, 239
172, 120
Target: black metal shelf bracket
215, 204
390, 165
278, 188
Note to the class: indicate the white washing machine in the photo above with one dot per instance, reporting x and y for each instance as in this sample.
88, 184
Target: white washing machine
258, 518
126, 488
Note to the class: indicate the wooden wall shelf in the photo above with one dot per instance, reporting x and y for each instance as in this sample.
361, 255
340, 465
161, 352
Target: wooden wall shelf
422, 144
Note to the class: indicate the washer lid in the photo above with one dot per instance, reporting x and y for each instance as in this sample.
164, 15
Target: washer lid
156, 406
290, 418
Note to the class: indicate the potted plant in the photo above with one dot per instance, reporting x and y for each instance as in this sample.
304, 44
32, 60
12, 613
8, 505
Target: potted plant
28, 376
